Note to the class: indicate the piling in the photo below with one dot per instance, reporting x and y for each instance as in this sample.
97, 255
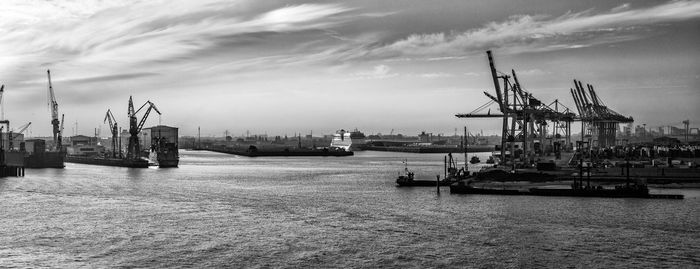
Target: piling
437, 184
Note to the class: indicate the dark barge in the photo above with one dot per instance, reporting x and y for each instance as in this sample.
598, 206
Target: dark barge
461, 188
630, 191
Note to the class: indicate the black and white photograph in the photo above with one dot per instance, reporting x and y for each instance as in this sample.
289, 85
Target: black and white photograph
349, 134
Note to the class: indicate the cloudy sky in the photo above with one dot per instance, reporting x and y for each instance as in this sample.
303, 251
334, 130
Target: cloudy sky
281, 67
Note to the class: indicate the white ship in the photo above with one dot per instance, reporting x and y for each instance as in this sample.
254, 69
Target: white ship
341, 139
349, 141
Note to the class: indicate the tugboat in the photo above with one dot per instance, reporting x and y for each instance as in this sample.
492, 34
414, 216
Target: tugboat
408, 179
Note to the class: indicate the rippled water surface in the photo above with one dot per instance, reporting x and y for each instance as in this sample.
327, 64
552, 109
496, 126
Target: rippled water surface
221, 210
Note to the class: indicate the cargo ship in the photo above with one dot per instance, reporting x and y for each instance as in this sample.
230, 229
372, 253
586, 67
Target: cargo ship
132, 163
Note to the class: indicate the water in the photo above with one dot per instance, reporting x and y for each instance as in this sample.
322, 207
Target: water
220, 210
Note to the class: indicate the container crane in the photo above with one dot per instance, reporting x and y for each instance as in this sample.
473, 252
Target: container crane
115, 133
135, 127
53, 106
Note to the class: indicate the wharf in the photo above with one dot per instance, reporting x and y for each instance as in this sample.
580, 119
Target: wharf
11, 164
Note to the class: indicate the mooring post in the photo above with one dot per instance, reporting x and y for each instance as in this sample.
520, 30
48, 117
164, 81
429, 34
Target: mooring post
437, 184
588, 177
628, 172
580, 174
445, 165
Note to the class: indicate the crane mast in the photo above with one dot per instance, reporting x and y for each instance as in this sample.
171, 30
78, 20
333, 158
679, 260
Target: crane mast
53, 106
59, 140
2, 105
135, 126
115, 133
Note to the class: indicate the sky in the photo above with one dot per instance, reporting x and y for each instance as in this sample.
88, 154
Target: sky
285, 67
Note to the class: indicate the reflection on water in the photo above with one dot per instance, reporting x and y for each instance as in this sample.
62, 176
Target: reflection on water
221, 210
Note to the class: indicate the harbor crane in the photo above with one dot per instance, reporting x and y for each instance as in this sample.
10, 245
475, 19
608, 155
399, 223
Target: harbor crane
114, 129
53, 106
525, 118
135, 126
597, 120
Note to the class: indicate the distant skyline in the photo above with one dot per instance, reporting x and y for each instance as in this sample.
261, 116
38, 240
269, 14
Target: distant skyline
284, 67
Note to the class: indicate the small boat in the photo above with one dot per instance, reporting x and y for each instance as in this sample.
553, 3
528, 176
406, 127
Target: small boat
408, 180
474, 160
491, 160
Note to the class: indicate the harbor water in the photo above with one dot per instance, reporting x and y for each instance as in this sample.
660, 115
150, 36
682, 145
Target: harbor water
219, 210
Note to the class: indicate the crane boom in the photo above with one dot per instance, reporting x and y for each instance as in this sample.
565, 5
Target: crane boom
145, 115
109, 117
21, 129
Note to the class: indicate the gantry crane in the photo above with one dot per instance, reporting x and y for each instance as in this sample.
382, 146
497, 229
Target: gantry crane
115, 133
524, 117
597, 120
135, 126
53, 106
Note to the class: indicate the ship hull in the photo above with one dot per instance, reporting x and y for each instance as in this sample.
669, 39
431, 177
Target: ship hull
168, 163
285, 153
427, 149
139, 163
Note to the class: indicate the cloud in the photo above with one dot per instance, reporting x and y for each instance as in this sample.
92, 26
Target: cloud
521, 33
378, 72
135, 36
534, 72
435, 75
